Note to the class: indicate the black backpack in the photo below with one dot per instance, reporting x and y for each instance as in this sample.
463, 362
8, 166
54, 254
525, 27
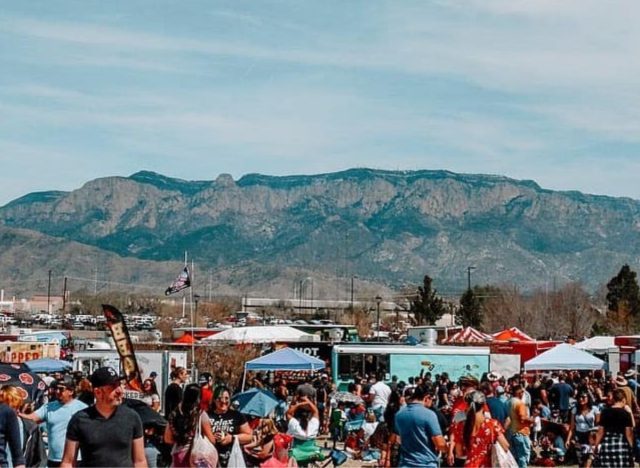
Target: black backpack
34, 451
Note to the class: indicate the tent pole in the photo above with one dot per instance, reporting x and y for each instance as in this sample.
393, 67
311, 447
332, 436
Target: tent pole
244, 377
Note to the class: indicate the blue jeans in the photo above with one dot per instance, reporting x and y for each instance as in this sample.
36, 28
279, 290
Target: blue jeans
521, 449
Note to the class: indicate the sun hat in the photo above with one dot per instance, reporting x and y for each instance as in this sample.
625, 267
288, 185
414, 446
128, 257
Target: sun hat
621, 381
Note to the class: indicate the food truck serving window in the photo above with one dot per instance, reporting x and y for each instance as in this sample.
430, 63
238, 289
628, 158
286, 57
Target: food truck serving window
350, 365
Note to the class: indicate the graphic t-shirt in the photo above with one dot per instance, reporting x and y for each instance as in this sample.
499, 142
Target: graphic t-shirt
229, 423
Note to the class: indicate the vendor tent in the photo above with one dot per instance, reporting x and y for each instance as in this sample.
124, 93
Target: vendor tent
512, 334
597, 344
468, 335
564, 357
48, 365
185, 339
284, 359
264, 334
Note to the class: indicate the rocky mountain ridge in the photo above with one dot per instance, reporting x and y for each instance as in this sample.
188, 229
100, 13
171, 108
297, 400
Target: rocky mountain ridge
389, 227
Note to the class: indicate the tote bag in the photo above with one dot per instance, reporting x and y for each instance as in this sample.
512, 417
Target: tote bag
236, 460
502, 458
203, 452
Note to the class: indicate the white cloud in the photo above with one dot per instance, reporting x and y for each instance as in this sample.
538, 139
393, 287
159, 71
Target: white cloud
534, 80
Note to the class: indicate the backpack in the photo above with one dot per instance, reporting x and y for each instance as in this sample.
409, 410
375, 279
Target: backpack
35, 453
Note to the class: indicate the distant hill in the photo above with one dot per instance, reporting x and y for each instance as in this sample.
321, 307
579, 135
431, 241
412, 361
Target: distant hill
260, 234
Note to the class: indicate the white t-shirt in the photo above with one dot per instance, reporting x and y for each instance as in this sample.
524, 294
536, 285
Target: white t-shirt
381, 393
369, 428
297, 432
537, 424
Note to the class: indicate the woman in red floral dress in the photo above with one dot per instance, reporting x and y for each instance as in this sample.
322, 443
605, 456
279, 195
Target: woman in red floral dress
480, 433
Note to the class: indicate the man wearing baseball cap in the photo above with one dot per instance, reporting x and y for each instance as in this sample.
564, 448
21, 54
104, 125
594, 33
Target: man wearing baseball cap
205, 380
57, 414
107, 433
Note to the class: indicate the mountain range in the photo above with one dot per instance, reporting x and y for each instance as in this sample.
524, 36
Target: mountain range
261, 235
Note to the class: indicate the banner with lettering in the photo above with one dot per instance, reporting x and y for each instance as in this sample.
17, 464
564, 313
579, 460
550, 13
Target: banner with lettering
120, 334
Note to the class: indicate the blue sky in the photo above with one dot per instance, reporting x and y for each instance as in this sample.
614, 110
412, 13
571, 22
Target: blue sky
543, 90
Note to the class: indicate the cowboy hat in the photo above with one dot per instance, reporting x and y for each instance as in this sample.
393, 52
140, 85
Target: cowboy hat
621, 381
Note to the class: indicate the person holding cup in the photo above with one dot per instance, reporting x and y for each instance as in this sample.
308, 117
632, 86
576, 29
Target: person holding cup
226, 424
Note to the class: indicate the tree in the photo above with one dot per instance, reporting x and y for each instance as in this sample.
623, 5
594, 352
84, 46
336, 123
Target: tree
470, 313
427, 307
623, 297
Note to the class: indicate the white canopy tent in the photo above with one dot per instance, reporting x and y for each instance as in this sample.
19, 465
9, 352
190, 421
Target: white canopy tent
564, 357
597, 344
264, 334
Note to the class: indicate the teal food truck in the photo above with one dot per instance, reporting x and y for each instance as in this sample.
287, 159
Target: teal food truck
406, 361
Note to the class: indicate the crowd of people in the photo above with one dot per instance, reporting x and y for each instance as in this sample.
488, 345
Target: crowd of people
583, 418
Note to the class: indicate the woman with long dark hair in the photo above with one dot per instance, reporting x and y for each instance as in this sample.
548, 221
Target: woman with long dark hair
584, 419
226, 424
183, 423
304, 426
304, 420
385, 437
480, 433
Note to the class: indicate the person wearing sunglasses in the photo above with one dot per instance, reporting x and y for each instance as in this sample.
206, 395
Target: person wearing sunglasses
584, 421
56, 415
227, 423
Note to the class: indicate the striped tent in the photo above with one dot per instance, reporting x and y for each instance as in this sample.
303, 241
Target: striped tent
468, 335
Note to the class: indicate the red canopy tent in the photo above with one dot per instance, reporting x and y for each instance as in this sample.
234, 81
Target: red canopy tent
186, 339
515, 341
468, 335
512, 334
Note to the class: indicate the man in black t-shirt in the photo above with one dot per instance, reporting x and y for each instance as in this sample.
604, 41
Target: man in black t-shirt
107, 433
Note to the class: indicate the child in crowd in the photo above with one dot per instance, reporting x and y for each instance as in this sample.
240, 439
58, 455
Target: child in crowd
336, 421
537, 426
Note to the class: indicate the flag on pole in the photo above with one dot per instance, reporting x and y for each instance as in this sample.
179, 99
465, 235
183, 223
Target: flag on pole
120, 334
183, 281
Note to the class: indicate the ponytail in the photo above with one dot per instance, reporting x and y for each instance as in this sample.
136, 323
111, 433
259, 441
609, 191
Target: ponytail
468, 424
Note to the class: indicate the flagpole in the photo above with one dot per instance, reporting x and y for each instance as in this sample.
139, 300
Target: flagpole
193, 338
184, 298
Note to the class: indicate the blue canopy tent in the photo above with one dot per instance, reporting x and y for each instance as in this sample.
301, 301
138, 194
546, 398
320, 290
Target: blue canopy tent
48, 365
284, 359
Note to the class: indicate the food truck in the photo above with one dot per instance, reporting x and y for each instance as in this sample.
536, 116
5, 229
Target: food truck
406, 361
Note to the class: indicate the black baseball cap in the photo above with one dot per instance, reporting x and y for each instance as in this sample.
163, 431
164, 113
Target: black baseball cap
204, 378
104, 376
66, 381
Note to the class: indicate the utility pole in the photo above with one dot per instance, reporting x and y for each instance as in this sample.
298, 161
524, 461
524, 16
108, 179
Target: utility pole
49, 294
378, 301
352, 293
469, 268
64, 295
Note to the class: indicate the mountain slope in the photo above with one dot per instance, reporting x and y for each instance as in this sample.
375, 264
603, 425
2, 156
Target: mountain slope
390, 227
